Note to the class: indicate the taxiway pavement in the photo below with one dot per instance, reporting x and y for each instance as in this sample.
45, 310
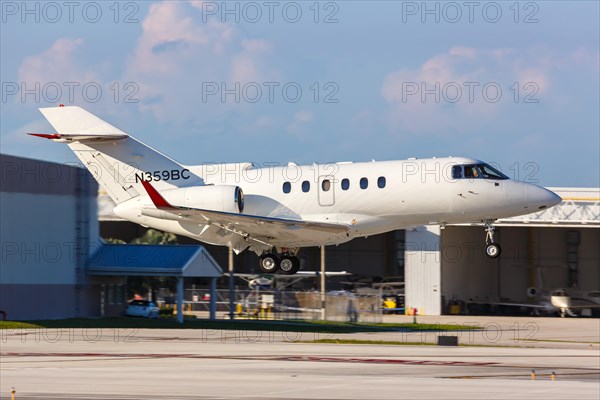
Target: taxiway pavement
198, 364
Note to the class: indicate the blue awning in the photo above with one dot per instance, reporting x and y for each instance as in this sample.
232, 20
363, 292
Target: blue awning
153, 260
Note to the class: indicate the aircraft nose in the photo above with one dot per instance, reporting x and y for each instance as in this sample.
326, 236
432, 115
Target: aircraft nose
541, 198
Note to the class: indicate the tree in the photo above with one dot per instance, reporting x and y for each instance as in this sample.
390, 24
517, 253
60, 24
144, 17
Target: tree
153, 236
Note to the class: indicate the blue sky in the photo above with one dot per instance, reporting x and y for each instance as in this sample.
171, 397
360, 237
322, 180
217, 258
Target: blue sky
516, 84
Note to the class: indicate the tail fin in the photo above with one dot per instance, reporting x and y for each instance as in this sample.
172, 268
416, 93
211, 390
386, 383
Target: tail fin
118, 161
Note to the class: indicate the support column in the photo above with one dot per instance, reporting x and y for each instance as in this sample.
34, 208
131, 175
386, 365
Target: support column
180, 299
213, 299
102, 301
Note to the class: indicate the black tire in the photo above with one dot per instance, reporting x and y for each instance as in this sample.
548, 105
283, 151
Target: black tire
289, 265
492, 250
268, 264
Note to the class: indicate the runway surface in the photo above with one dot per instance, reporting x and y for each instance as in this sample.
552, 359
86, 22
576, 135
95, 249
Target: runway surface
208, 364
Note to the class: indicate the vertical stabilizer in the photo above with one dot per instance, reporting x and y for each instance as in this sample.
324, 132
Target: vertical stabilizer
117, 161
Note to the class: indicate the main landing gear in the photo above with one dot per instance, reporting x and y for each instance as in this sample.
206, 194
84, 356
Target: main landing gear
492, 249
288, 264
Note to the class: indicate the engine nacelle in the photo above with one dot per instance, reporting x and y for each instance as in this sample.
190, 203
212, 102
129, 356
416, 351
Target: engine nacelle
226, 198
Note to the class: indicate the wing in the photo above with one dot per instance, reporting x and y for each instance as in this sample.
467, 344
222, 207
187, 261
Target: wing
318, 273
525, 305
251, 227
584, 306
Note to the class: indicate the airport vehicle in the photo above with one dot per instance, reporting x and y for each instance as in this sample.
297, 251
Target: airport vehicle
276, 210
142, 308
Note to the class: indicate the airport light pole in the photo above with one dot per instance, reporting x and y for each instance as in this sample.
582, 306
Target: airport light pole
231, 288
323, 282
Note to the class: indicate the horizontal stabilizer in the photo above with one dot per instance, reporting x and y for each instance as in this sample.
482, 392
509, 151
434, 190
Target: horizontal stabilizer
57, 137
76, 124
115, 159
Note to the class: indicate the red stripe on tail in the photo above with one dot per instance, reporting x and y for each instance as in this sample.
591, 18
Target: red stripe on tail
46, 135
156, 197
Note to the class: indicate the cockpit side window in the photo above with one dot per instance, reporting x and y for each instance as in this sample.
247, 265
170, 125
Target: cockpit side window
457, 172
489, 172
471, 171
479, 171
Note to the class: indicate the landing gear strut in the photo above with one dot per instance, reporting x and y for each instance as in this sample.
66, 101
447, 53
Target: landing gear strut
492, 249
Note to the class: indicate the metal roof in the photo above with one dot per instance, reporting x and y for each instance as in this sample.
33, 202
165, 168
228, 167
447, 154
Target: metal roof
580, 208
153, 260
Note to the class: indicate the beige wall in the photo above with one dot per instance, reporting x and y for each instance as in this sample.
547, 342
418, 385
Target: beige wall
530, 257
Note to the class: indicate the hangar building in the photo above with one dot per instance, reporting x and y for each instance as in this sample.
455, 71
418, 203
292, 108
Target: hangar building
54, 264
541, 252
49, 237
48, 229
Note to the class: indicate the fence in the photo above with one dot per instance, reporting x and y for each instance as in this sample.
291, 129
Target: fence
282, 305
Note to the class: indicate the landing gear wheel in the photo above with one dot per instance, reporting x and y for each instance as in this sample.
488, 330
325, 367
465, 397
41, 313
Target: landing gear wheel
268, 263
492, 250
289, 265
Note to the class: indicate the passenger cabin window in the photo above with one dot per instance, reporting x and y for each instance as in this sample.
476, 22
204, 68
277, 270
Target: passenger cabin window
381, 182
345, 184
305, 186
287, 187
326, 185
364, 183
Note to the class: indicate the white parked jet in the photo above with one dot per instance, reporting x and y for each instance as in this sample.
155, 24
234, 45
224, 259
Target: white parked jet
276, 210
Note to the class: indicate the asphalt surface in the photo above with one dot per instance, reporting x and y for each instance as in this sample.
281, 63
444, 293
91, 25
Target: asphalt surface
203, 364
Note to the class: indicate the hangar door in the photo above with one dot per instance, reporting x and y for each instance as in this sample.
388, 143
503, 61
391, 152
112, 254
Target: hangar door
423, 270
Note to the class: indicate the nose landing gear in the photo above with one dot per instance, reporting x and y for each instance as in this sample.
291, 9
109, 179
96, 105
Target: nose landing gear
492, 249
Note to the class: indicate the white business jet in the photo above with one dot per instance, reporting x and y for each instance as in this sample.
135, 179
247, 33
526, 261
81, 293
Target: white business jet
276, 210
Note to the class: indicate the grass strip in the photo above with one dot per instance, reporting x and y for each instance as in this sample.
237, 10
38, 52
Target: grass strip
256, 325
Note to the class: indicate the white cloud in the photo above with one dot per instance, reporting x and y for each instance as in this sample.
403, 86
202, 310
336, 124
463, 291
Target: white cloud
58, 64
246, 66
197, 3
461, 90
179, 55
301, 119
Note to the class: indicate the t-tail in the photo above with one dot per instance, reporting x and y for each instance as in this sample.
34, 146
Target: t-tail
117, 161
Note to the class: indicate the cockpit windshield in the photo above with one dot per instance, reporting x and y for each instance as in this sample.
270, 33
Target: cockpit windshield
477, 171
